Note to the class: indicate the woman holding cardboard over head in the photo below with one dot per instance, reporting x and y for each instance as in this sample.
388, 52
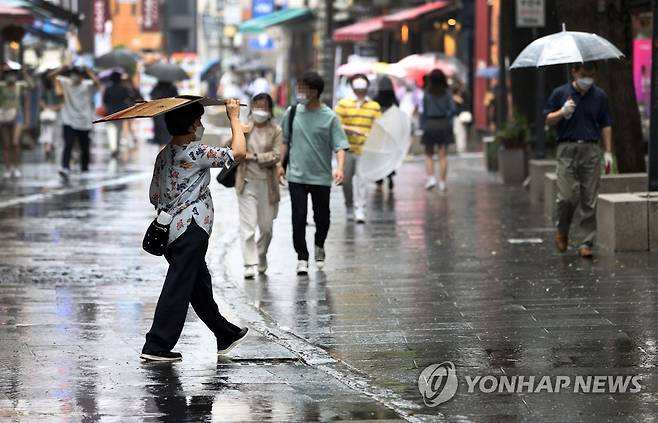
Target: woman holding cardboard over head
180, 189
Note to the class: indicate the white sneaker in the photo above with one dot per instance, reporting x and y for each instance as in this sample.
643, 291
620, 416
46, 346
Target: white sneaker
360, 215
442, 186
16, 173
431, 182
249, 272
302, 267
319, 257
350, 213
7, 174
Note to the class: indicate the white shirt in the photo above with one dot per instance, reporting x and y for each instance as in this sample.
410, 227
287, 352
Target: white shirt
184, 170
78, 111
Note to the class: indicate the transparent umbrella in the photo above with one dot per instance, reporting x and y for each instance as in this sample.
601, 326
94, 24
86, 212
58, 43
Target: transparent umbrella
387, 145
566, 47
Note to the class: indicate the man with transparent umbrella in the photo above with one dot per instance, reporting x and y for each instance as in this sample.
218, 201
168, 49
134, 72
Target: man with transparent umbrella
579, 111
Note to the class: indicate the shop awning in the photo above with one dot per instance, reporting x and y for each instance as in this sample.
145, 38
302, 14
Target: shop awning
412, 13
281, 17
358, 31
46, 10
15, 15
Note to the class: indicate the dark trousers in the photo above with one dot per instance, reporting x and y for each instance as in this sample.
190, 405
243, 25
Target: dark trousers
299, 201
188, 281
70, 135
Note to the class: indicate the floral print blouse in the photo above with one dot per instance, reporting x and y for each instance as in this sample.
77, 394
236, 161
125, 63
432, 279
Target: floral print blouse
184, 170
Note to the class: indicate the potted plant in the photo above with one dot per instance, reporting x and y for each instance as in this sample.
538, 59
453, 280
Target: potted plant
512, 154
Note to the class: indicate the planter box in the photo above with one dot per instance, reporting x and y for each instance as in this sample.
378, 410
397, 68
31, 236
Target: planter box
512, 166
622, 222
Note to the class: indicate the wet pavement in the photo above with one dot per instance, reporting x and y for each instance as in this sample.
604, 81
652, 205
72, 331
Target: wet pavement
468, 276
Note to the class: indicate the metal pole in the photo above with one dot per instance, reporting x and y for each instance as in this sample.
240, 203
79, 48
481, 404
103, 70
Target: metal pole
653, 131
540, 133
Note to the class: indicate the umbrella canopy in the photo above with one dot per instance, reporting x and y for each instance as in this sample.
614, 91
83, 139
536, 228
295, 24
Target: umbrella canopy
209, 68
167, 72
566, 47
121, 58
105, 75
387, 145
419, 65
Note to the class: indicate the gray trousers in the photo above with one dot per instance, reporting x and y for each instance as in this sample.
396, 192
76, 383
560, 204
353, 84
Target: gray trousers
578, 180
256, 211
354, 185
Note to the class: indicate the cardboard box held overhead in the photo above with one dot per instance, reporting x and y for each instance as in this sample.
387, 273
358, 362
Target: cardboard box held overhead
153, 108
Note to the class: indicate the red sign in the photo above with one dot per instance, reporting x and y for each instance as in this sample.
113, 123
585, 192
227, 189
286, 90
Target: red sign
150, 15
101, 15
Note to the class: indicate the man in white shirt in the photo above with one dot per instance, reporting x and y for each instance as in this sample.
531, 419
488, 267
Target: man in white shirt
77, 113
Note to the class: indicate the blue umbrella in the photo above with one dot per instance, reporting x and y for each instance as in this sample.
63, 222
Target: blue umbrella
210, 67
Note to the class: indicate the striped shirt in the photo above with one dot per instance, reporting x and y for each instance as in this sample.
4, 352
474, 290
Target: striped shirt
358, 116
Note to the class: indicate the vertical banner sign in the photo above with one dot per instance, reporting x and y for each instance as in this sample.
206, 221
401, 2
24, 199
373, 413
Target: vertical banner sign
150, 15
530, 13
101, 15
262, 8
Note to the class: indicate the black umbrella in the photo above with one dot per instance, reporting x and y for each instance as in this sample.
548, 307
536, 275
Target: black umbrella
167, 72
121, 58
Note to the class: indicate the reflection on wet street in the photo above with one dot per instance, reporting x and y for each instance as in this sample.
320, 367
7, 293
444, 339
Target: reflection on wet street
429, 278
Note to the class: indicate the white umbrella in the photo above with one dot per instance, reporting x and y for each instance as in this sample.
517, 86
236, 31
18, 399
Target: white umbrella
566, 47
386, 146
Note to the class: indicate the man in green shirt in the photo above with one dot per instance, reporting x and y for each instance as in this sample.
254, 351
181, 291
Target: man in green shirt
316, 134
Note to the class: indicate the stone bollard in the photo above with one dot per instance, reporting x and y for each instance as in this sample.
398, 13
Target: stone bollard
539, 167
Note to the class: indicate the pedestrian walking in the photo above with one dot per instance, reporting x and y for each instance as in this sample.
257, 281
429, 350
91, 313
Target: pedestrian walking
357, 115
463, 116
77, 113
49, 117
386, 98
117, 96
436, 123
180, 188
257, 185
579, 111
12, 88
163, 89
316, 134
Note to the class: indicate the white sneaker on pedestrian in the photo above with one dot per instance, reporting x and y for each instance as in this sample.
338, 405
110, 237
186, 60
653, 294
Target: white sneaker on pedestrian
249, 272
442, 186
431, 182
360, 215
16, 173
262, 265
319, 257
350, 213
302, 267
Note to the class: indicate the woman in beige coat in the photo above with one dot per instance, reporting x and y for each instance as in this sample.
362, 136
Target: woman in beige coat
257, 186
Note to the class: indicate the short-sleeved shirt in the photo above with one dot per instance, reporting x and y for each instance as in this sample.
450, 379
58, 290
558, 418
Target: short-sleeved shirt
362, 115
316, 134
591, 114
78, 111
10, 95
183, 170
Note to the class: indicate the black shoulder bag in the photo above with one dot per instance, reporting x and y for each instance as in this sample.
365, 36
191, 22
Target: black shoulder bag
157, 234
291, 118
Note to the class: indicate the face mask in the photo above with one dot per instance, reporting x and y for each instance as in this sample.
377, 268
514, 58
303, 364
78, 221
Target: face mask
584, 83
302, 99
359, 85
198, 134
260, 116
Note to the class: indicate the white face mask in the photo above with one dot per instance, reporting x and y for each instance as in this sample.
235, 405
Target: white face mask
198, 134
260, 116
302, 99
359, 85
584, 83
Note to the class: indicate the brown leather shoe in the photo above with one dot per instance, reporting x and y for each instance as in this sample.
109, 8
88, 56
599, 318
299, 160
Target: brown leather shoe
585, 251
561, 241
